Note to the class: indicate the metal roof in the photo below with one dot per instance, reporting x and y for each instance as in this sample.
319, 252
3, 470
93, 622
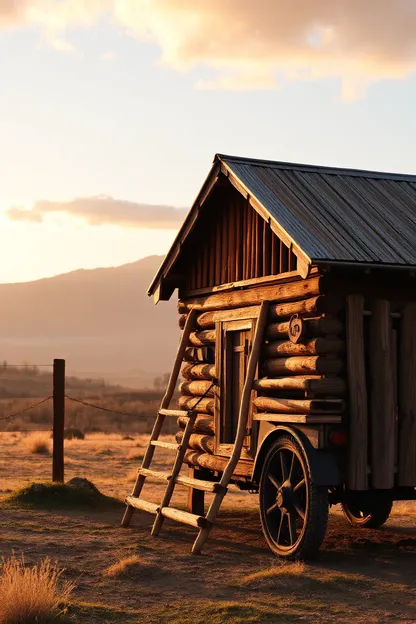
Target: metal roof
330, 215
336, 215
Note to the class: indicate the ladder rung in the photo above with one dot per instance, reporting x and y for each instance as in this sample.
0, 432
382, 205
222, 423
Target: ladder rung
139, 503
154, 474
167, 445
199, 484
174, 413
185, 517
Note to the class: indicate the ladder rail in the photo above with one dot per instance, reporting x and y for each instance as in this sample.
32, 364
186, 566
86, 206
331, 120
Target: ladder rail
157, 427
241, 428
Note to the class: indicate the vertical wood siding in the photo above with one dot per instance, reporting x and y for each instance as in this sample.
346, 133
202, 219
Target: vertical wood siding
234, 243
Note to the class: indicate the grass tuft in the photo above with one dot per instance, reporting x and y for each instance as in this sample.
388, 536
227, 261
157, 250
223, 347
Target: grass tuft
59, 495
35, 594
38, 443
133, 566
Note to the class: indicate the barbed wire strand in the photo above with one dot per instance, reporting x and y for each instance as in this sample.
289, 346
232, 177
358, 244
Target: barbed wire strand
26, 409
100, 407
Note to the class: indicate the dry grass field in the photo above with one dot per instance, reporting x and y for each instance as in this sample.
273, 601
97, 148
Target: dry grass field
124, 575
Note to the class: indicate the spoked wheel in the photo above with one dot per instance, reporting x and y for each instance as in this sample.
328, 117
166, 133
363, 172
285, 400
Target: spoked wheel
293, 511
368, 515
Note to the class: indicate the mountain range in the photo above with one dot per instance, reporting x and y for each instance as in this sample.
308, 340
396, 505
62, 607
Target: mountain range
101, 321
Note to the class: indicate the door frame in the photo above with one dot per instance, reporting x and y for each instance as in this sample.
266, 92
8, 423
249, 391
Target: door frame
221, 328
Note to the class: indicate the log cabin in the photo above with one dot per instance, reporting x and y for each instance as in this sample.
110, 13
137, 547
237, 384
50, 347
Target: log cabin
297, 301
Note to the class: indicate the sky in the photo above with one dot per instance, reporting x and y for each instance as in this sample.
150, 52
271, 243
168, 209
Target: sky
111, 111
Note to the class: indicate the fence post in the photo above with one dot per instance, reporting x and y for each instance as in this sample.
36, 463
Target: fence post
58, 420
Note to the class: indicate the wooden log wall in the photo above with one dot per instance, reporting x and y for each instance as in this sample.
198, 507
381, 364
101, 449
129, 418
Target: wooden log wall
234, 243
296, 382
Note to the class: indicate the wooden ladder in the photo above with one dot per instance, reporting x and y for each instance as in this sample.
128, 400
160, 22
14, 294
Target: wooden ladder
219, 489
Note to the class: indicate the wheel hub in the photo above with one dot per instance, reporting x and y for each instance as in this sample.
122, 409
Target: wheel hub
284, 497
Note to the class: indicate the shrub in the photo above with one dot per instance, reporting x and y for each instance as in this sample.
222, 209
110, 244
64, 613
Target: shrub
72, 433
133, 566
38, 442
33, 594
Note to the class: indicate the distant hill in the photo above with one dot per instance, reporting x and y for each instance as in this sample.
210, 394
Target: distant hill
101, 321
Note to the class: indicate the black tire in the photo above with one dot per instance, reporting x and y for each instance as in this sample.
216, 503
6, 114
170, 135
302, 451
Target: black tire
293, 511
369, 516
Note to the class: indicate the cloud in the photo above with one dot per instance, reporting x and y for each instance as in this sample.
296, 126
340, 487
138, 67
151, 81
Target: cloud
104, 210
253, 44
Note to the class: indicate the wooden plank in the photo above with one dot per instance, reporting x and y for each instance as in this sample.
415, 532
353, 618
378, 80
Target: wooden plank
267, 244
319, 386
302, 365
199, 354
211, 270
382, 397
308, 419
357, 387
275, 251
232, 243
239, 247
297, 289
224, 246
209, 319
246, 283
218, 243
314, 346
299, 406
407, 400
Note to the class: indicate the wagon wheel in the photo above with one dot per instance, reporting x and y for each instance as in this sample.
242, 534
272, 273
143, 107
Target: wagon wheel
293, 511
372, 515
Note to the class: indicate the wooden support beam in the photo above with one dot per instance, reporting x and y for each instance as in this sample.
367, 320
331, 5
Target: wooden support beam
196, 498
217, 463
407, 398
383, 410
198, 442
307, 419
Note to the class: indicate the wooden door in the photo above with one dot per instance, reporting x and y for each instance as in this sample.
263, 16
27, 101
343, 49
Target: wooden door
233, 348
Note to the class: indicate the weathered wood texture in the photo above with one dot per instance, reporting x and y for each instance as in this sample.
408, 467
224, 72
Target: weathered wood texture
382, 397
299, 406
307, 419
204, 423
198, 371
407, 398
232, 243
205, 406
319, 386
297, 289
313, 346
196, 388
357, 390
214, 462
302, 365
322, 326
198, 442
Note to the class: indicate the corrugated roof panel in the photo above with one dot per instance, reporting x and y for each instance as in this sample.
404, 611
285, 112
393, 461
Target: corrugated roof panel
337, 214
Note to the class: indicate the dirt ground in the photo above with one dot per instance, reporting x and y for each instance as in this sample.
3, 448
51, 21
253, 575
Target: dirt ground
360, 575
